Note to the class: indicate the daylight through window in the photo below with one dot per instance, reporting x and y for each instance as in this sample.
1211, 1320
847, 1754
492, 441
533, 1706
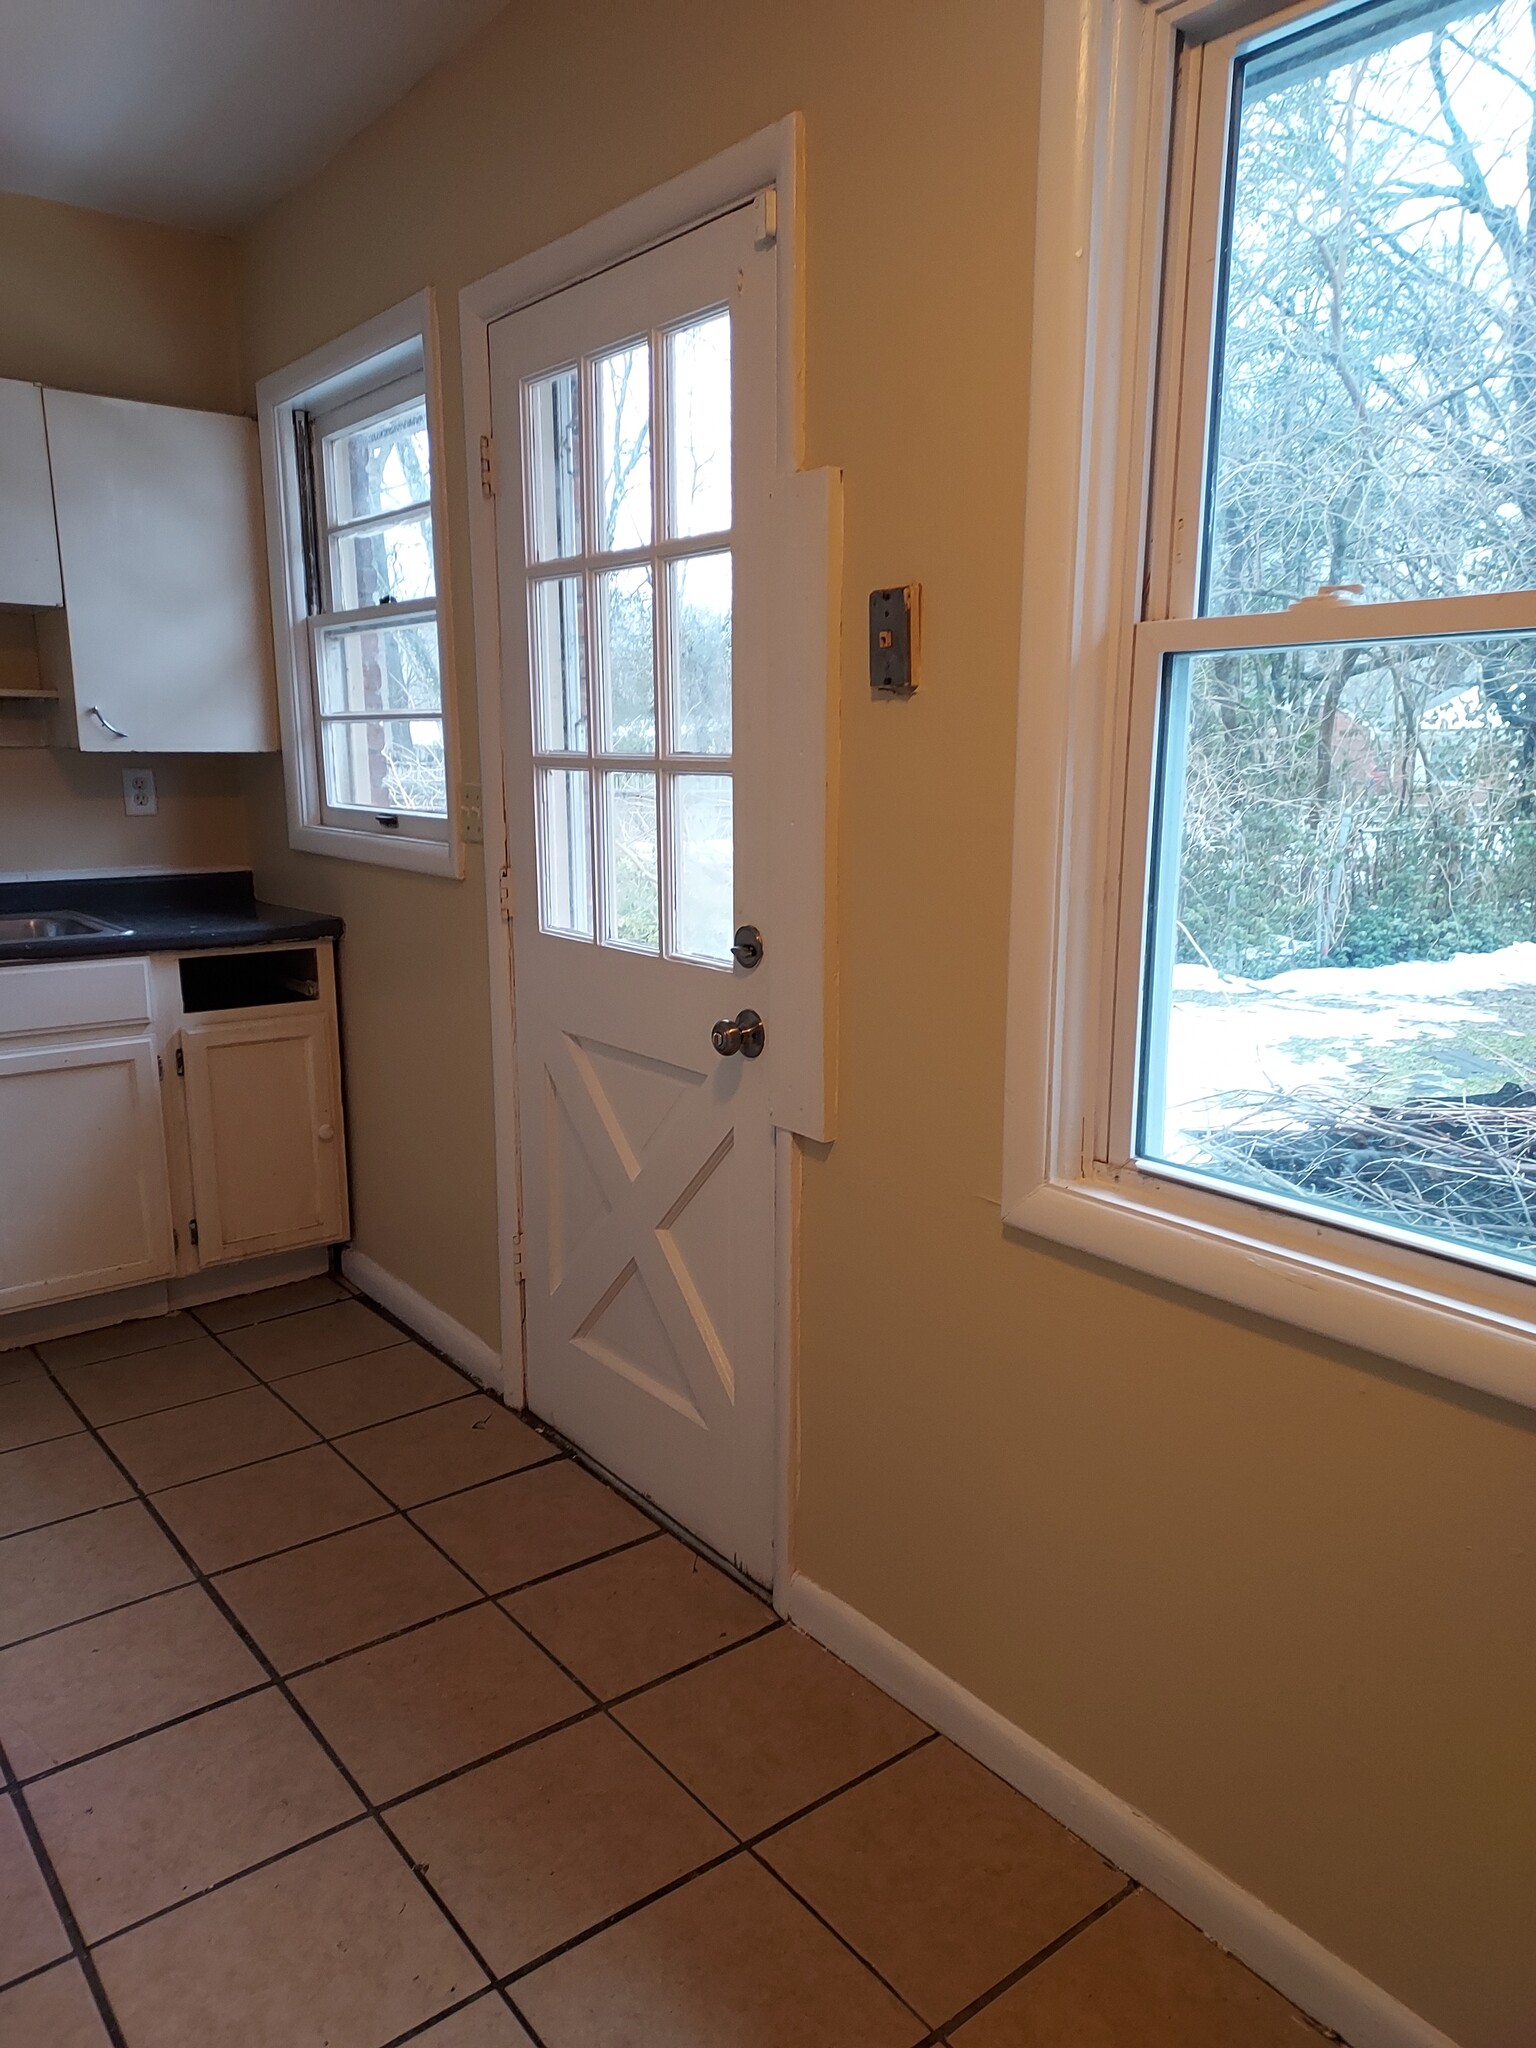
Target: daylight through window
629, 525
378, 690
1338, 980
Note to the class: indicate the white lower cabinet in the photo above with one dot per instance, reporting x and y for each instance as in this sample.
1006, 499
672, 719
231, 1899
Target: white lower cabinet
165, 1115
85, 1191
264, 1133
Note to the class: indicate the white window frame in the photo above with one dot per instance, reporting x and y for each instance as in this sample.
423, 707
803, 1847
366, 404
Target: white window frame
668, 763
1114, 185
376, 365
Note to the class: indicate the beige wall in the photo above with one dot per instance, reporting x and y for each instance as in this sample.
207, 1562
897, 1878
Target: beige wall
89, 302
1277, 1595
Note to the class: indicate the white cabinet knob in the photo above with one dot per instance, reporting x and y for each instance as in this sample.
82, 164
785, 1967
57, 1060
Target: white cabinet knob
325, 1134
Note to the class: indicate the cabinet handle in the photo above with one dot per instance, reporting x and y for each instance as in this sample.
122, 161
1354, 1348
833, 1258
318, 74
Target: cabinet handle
325, 1133
94, 711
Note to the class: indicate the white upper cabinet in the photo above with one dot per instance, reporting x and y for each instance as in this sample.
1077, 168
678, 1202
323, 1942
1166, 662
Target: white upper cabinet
29, 548
164, 644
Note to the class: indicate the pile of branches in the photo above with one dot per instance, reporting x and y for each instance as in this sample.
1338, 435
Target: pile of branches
1462, 1167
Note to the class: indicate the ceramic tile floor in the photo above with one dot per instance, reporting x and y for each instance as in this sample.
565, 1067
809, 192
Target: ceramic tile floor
340, 1708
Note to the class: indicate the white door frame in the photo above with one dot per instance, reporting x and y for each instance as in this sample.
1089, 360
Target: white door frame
772, 160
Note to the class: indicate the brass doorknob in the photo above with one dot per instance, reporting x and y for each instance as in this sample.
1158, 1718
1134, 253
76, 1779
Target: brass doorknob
745, 1033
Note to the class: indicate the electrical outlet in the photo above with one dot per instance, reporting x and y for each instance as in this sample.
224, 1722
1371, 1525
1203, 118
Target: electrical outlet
471, 815
139, 792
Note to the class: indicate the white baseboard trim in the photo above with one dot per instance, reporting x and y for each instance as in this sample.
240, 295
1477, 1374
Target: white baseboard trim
1330, 1990
430, 1322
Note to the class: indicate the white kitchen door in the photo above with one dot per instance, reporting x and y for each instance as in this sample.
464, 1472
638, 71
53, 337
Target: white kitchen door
634, 418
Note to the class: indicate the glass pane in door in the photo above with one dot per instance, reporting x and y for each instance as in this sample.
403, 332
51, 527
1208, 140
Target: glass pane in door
631, 906
565, 851
699, 450
703, 879
626, 661
554, 443
559, 681
701, 654
623, 382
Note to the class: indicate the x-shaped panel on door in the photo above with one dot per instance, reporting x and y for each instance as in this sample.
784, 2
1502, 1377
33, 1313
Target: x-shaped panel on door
639, 1156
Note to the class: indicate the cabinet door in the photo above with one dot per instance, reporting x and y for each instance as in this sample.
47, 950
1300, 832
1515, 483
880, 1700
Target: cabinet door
84, 1194
165, 633
264, 1131
29, 545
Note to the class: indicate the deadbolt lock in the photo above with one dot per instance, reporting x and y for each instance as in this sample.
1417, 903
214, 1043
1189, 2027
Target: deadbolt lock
745, 1033
748, 949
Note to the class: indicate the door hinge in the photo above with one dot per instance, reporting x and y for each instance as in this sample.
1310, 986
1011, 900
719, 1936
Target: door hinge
765, 222
192, 1231
506, 892
519, 1267
175, 1239
487, 466
160, 1066
181, 1061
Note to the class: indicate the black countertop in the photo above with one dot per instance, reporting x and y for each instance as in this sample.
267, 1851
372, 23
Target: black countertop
158, 914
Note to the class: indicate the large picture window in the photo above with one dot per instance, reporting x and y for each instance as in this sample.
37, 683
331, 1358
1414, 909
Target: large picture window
1338, 998
1306, 1068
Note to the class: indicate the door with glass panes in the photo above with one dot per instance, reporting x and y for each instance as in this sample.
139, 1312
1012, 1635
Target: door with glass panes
634, 424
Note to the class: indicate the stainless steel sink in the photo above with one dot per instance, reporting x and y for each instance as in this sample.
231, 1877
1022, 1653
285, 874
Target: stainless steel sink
56, 924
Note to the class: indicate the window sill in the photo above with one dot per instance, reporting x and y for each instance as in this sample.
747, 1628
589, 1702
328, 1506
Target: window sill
421, 856
1476, 1329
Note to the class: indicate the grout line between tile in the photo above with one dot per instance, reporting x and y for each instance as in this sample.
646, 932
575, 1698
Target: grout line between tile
623, 1913
260, 1322
484, 1993
747, 1845
491, 1756
222, 1884
36, 1443
219, 1472
117, 1606
223, 1571
79, 1515
29, 1976
112, 1358
62, 1907
563, 1571
166, 1408
369, 1810
377, 1812
837, 1935
89, 1756
769, 1628
636, 1499
393, 1635
1031, 1963
556, 1457
815, 1805
339, 1436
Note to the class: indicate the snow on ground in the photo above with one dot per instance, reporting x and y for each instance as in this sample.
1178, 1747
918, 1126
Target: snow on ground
1441, 1026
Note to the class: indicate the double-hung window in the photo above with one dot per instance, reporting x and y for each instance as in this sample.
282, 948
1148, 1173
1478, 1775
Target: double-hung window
1311, 1075
351, 511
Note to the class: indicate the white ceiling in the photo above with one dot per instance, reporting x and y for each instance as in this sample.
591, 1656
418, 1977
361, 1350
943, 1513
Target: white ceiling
200, 112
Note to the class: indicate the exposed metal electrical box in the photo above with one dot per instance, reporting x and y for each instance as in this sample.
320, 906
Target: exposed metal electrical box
893, 616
